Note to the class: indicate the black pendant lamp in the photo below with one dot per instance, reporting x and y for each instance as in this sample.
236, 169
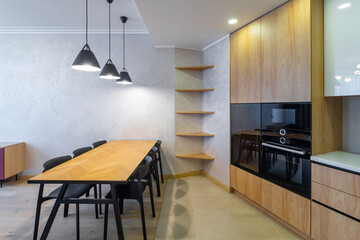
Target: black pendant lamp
86, 60
109, 70
124, 75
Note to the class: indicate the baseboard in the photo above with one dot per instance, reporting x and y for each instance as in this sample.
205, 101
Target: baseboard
218, 182
273, 216
182, 175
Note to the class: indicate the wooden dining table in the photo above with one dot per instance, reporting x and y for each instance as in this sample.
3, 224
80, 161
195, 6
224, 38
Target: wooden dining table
112, 163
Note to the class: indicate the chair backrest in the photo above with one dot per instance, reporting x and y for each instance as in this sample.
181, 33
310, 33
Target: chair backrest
153, 152
80, 151
143, 169
55, 161
99, 143
158, 143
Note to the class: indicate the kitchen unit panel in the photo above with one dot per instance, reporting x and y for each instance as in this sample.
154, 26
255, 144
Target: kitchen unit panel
327, 224
287, 205
336, 179
286, 53
246, 183
335, 199
245, 64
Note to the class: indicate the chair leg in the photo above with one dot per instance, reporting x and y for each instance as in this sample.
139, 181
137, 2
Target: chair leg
106, 220
96, 206
38, 211
100, 205
161, 169
77, 222
151, 197
142, 216
66, 209
157, 180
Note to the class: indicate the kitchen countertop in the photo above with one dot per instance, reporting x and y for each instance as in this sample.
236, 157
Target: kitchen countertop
340, 159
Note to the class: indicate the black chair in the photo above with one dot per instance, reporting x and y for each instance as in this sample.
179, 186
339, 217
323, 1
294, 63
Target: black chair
73, 191
134, 190
95, 145
80, 151
99, 143
154, 171
158, 158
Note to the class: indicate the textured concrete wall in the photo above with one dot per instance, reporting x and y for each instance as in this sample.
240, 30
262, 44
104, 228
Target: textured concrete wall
218, 101
56, 109
351, 124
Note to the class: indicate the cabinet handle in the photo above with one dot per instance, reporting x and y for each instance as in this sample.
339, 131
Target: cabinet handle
284, 148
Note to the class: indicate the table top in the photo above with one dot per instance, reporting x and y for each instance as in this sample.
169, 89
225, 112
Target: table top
112, 162
339, 159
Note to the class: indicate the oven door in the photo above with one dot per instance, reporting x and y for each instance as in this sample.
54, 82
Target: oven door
287, 167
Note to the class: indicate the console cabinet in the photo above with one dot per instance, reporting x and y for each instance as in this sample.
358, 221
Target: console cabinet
11, 159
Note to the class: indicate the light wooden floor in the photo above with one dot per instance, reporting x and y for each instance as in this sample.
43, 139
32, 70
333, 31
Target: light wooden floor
17, 210
193, 208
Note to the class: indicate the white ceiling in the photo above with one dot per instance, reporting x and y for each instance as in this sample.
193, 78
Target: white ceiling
180, 23
198, 23
67, 16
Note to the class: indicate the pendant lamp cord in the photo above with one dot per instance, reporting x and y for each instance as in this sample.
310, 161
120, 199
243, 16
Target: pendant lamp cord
109, 34
87, 22
124, 44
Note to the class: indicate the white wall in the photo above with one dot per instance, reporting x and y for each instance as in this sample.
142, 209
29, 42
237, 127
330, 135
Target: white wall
218, 101
351, 124
55, 109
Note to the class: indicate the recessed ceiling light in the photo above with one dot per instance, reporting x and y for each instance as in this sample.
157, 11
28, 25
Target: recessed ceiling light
357, 72
338, 78
344, 5
233, 21
347, 80
358, 66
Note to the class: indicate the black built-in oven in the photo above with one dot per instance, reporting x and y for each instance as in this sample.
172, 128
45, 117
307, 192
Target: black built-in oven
286, 145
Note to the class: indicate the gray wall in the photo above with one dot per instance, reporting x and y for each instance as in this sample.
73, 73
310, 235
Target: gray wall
218, 101
55, 109
351, 124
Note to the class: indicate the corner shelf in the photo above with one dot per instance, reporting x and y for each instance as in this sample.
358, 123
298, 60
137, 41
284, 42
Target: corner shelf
196, 156
194, 112
195, 90
195, 134
196, 68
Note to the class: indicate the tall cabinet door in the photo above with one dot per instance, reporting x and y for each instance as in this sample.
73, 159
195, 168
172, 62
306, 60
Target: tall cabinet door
285, 50
245, 64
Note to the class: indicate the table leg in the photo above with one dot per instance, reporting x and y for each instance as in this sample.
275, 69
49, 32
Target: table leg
54, 212
117, 212
38, 210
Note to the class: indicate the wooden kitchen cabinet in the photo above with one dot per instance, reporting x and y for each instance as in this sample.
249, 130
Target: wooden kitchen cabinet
286, 53
245, 64
246, 183
327, 224
292, 208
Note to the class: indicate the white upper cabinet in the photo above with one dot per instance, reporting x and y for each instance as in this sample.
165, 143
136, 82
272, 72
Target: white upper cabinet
342, 47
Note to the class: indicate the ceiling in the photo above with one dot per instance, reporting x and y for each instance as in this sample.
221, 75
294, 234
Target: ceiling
67, 16
191, 24
198, 23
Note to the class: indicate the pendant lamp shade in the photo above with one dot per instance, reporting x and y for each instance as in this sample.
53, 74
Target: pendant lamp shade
109, 71
86, 60
124, 75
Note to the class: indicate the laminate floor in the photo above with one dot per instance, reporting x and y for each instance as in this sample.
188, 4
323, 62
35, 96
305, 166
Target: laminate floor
190, 208
195, 208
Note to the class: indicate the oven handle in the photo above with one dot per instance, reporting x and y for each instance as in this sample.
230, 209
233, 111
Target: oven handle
284, 149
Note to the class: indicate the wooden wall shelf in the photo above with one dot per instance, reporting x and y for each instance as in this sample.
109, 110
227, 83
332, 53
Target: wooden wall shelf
194, 112
196, 68
195, 90
195, 134
196, 156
